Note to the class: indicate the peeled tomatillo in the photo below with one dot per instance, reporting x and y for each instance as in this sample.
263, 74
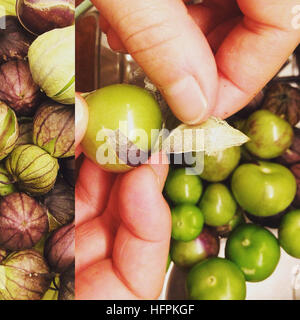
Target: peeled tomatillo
131, 115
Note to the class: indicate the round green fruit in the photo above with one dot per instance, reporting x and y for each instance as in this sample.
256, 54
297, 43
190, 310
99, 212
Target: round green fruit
218, 167
216, 279
187, 222
33, 169
264, 188
270, 136
131, 115
255, 250
217, 205
226, 229
289, 233
183, 188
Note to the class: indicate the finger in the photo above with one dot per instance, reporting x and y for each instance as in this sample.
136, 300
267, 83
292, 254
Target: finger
100, 282
92, 191
142, 241
168, 45
94, 242
254, 51
81, 118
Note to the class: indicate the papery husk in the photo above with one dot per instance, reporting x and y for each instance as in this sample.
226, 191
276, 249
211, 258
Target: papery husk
52, 63
25, 131
23, 222
24, 275
211, 136
6, 184
7, 8
9, 130
33, 168
54, 129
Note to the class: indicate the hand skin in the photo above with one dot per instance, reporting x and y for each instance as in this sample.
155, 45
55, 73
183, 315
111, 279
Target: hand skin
123, 228
210, 58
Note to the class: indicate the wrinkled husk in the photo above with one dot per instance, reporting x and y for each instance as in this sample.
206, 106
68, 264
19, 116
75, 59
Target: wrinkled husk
25, 131
24, 275
59, 248
283, 100
52, 63
292, 155
67, 284
60, 202
33, 168
54, 129
9, 130
6, 185
23, 222
18, 89
7, 8
39, 16
52, 292
14, 40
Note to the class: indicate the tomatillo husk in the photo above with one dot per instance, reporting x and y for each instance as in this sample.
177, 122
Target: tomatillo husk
52, 63
9, 130
6, 184
33, 169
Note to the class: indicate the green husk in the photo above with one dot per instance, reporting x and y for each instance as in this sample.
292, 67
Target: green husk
33, 168
52, 63
24, 275
7, 8
9, 130
6, 184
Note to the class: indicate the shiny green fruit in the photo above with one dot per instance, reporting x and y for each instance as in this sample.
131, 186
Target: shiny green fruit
217, 205
263, 188
216, 279
219, 166
255, 250
187, 222
289, 233
131, 115
270, 136
183, 188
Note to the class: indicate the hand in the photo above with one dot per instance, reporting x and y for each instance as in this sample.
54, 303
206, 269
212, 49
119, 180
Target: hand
123, 229
211, 58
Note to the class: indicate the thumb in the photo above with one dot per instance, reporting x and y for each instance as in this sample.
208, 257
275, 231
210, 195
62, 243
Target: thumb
165, 41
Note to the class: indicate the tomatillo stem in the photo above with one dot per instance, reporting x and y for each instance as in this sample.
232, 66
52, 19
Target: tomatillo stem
82, 8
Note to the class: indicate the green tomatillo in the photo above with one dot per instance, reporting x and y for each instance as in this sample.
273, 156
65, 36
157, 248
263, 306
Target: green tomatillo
124, 123
263, 188
255, 250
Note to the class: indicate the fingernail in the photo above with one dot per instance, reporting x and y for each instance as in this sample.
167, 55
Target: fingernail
187, 100
79, 110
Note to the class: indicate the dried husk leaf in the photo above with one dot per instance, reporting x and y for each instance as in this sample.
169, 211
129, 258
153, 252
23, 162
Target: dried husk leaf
211, 136
33, 168
24, 275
